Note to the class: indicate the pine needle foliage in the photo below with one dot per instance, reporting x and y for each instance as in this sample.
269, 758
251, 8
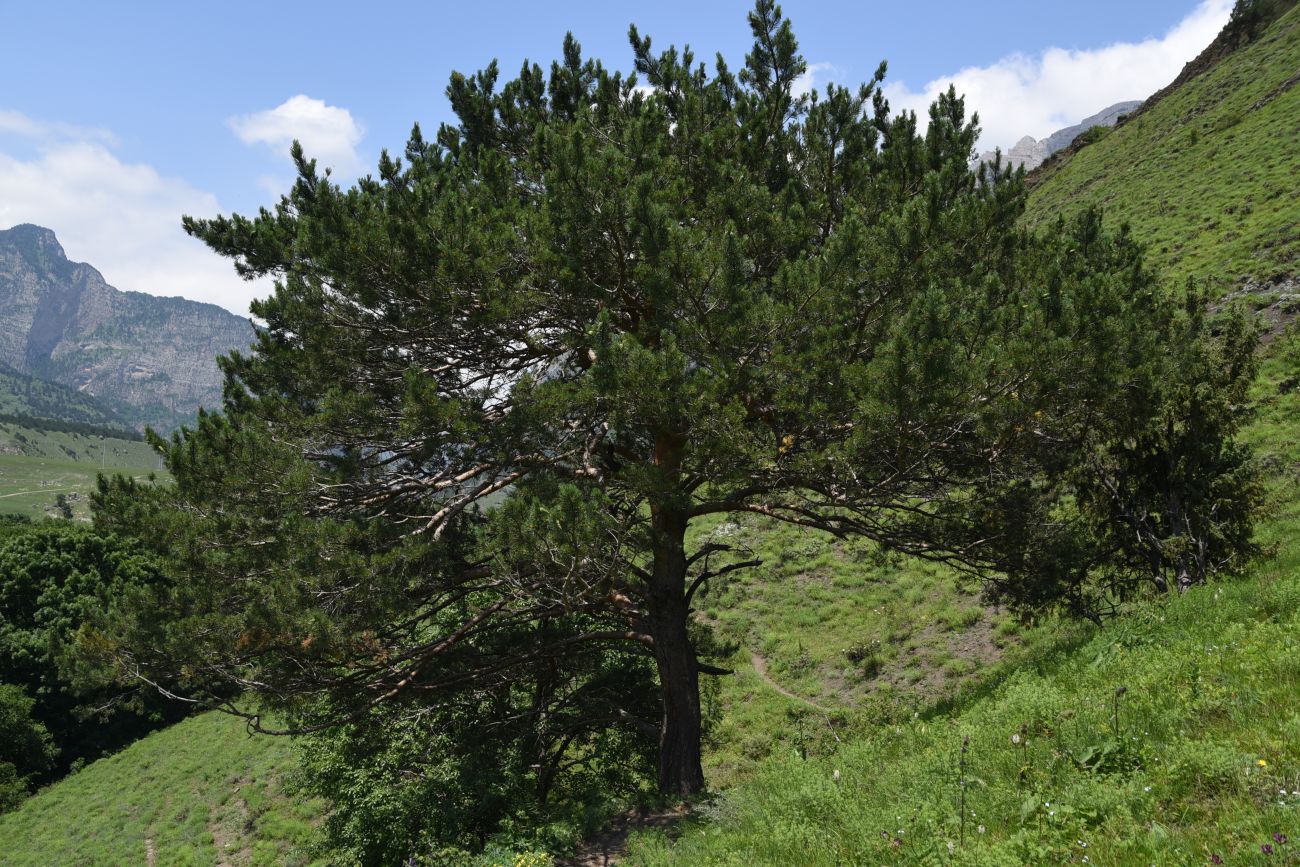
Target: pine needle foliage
499, 379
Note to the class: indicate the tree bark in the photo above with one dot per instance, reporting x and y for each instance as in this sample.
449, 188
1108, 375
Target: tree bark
680, 769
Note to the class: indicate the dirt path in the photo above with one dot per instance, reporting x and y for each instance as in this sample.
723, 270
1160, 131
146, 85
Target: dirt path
606, 848
760, 665
37, 491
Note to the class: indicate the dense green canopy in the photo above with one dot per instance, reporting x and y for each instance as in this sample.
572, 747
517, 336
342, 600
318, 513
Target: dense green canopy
499, 379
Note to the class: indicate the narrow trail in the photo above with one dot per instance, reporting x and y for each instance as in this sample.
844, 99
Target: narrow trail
760, 665
610, 845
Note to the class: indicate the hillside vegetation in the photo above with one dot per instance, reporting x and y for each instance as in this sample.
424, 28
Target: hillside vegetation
880, 712
39, 460
1170, 737
200, 793
1207, 176
22, 395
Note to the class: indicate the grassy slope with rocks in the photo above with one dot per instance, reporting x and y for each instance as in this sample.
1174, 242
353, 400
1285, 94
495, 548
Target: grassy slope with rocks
826, 637
1207, 178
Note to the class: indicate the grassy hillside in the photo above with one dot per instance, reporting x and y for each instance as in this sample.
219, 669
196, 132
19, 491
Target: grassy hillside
199, 793
827, 637
39, 463
1170, 737
1208, 176
23, 395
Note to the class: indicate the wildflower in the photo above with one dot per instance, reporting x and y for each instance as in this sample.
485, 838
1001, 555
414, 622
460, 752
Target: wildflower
1146, 788
1082, 845
980, 829
1267, 848
1262, 763
1279, 838
1015, 739
1215, 859
952, 847
835, 775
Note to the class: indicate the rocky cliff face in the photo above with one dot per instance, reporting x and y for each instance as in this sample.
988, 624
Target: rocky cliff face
1030, 152
60, 321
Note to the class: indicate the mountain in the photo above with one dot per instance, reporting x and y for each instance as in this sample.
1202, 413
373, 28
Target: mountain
1031, 153
1205, 171
59, 320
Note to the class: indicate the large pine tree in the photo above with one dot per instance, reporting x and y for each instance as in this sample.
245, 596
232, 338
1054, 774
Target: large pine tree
499, 379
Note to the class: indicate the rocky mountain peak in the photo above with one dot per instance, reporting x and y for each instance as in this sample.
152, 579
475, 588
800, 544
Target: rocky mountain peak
1030, 152
37, 244
60, 321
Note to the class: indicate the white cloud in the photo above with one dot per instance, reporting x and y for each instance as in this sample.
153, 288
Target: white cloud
123, 218
815, 76
329, 134
1041, 93
18, 124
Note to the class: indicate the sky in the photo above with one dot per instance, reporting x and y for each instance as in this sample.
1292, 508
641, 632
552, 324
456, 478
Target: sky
117, 118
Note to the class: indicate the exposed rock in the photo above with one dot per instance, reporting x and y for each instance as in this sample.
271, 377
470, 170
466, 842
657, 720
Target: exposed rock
1106, 117
1030, 152
60, 321
1275, 303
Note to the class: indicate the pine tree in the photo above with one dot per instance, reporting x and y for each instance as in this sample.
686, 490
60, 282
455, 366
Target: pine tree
499, 380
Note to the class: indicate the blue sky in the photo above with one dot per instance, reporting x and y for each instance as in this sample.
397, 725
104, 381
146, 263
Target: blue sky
116, 118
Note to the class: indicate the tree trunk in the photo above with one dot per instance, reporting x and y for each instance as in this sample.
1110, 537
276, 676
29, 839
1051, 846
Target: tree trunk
680, 770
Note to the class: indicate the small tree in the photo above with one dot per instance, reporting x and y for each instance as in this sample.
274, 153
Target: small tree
26, 752
54, 577
1166, 499
499, 380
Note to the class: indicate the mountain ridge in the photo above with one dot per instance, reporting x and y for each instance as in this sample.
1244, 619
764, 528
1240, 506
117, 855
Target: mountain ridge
61, 321
1030, 152
1204, 171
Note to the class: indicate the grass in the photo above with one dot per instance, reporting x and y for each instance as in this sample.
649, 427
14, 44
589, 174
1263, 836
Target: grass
199, 793
1207, 178
846, 635
37, 465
